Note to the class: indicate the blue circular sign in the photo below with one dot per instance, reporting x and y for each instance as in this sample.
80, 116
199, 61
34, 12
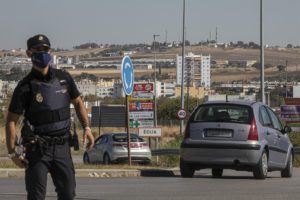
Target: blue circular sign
127, 75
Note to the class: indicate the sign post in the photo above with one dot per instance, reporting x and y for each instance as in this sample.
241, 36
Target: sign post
127, 75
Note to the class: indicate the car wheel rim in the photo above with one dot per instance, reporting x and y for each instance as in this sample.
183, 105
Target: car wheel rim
265, 164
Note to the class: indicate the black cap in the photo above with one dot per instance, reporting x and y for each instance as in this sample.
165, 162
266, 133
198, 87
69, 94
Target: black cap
38, 41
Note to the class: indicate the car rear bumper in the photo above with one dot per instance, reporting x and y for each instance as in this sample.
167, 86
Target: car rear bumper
135, 156
209, 153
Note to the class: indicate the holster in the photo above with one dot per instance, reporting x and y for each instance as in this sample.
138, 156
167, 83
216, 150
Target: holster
74, 141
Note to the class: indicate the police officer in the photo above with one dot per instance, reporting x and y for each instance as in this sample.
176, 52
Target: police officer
43, 97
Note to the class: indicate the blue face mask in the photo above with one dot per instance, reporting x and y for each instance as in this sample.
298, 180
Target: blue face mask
41, 59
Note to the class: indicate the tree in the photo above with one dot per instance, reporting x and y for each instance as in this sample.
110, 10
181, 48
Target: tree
289, 46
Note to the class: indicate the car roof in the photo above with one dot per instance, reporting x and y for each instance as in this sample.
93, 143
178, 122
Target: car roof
237, 102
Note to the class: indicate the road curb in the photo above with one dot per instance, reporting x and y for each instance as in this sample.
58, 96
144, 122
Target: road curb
101, 173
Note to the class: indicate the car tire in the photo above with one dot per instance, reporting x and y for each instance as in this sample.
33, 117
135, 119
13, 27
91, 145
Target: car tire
217, 172
261, 169
186, 170
287, 172
106, 159
86, 159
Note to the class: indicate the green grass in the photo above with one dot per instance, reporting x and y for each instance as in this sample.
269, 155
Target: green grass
170, 160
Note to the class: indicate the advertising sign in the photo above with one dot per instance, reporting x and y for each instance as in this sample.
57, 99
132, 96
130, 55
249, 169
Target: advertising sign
135, 106
143, 87
141, 115
142, 95
141, 123
292, 101
290, 113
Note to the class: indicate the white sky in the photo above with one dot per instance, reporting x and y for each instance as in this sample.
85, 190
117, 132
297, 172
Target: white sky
72, 22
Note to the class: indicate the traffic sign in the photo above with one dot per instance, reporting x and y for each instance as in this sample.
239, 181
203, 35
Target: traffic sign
150, 132
181, 114
141, 115
127, 75
143, 87
141, 123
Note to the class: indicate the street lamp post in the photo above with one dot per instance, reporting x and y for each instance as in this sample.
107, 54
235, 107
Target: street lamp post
183, 64
155, 89
286, 83
262, 63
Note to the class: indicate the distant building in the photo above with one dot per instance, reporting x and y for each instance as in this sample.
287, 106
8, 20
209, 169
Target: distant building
197, 70
241, 63
86, 87
196, 92
165, 89
102, 88
222, 97
296, 91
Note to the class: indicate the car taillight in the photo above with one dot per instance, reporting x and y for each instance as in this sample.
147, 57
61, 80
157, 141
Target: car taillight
187, 130
144, 144
117, 145
253, 133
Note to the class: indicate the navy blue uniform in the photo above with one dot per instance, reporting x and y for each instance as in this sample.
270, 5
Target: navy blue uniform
44, 101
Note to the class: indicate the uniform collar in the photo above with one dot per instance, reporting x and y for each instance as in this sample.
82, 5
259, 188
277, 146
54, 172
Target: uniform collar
39, 76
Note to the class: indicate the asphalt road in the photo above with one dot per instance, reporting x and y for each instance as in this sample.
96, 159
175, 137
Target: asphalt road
233, 185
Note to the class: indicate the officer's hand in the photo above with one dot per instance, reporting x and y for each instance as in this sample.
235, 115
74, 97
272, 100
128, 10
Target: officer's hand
20, 161
87, 135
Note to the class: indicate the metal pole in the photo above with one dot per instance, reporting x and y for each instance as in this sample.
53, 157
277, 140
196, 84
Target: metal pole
183, 64
155, 89
262, 78
286, 86
128, 132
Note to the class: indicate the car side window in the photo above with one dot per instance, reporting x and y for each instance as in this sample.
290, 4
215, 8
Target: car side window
104, 140
264, 117
275, 121
98, 140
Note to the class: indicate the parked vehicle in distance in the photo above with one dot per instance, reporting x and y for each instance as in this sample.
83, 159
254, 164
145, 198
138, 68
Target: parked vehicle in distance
240, 135
112, 148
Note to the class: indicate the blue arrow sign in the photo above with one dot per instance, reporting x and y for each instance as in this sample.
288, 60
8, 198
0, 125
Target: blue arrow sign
127, 75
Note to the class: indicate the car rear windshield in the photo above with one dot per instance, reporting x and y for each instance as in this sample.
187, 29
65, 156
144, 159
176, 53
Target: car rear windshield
223, 113
123, 138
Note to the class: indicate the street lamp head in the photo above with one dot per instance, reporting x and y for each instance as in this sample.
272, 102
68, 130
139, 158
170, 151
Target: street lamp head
155, 35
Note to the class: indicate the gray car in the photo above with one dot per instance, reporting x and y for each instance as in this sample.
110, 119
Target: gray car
112, 148
238, 135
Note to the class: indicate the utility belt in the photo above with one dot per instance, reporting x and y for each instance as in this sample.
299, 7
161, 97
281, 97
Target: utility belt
56, 140
38, 142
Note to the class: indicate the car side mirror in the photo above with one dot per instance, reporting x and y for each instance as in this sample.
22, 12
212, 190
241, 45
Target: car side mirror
286, 129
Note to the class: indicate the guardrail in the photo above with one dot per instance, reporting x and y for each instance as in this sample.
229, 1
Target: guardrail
175, 151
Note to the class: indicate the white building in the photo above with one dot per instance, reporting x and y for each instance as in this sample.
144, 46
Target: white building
197, 70
165, 89
205, 71
86, 87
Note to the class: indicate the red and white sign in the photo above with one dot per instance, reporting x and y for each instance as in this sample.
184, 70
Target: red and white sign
143, 87
134, 106
292, 101
181, 114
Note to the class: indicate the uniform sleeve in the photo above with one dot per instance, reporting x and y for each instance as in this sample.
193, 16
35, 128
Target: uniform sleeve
73, 90
17, 103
